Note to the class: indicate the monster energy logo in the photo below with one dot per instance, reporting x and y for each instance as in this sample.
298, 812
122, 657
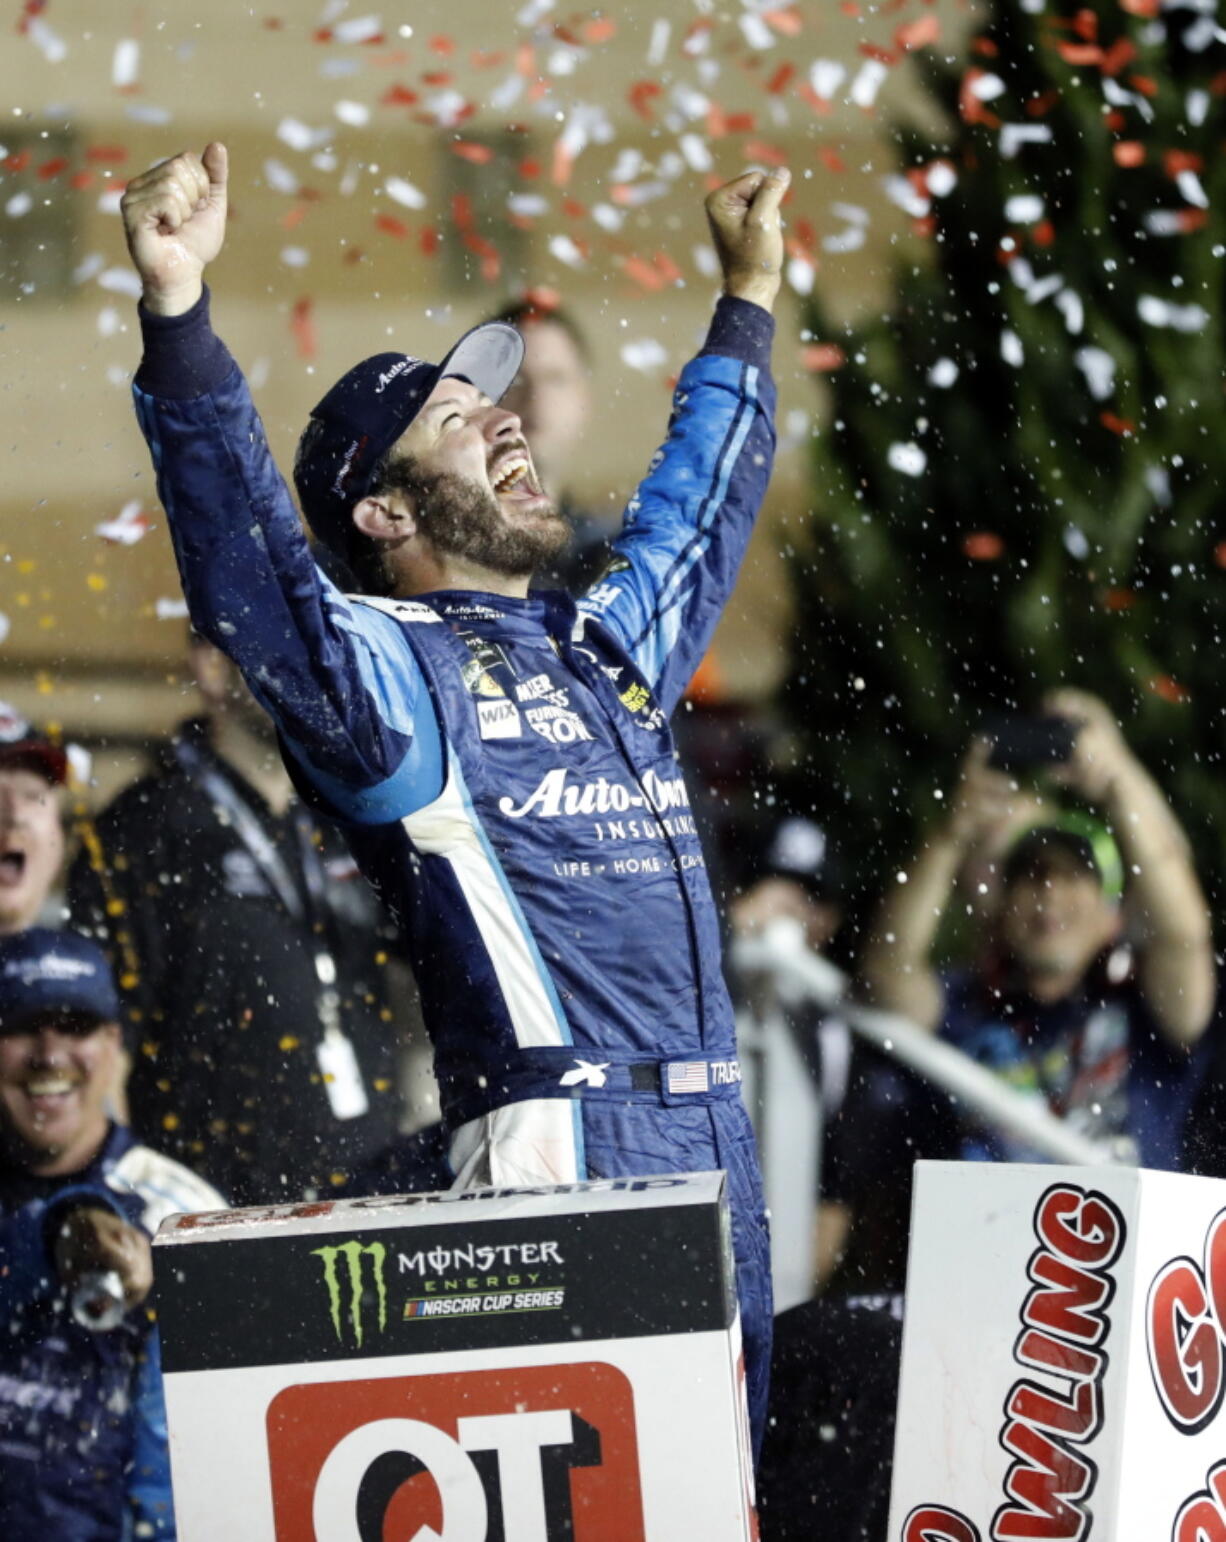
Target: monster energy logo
352, 1253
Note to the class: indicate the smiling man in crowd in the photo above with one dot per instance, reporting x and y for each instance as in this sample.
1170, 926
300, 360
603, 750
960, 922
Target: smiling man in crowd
33, 775
82, 1429
502, 761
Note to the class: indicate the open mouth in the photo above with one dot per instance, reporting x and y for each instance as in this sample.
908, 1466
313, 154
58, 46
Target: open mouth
513, 478
12, 867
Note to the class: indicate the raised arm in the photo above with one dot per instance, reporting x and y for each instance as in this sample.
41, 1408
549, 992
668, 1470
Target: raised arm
336, 677
687, 525
896, 970
1167, 913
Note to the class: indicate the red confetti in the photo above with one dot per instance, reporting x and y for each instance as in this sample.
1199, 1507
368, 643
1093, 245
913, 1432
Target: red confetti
1078, 54
1040, 106
1141, 7
1085, 25
832, 160
985, 48
641, 95
302, 325
788, 22
1143, 84
574, 209
969, 105
1124, 427
642, 272
821, 358
529, 167
108, 155
437, 77
80, 180
882, 55
472, 150
983, 546
767, 154
52, 168
443, 45
399, 96
18, 161
429, 241
1219, 554
1128, 152
923, 32
599, 29
487, 59
1169, 689
781, 79
391, 226
1119, 599
1175, 161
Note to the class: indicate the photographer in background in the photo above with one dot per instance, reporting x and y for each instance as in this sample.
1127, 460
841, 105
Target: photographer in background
1086, 993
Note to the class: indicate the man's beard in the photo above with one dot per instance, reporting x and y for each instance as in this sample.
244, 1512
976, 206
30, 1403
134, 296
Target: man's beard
462, 519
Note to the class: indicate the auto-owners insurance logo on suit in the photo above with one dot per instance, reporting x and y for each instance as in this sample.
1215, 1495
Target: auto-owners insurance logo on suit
518, 1454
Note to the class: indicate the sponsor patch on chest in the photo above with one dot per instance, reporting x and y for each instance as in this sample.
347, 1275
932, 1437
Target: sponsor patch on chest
499, 719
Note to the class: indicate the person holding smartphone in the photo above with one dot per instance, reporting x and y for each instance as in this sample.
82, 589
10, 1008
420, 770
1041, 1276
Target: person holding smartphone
1092, 978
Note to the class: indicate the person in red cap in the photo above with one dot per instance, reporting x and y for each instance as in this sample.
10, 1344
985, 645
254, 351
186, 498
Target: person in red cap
33, 775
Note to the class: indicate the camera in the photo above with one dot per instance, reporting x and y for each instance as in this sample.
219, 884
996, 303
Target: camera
1026, 743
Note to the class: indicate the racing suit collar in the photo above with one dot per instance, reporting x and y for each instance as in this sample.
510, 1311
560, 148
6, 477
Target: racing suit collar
543, 612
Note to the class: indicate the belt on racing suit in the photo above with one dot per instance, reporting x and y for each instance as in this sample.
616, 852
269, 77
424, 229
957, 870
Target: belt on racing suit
473, 1086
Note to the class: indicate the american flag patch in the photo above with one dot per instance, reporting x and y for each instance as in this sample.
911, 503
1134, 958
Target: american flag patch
686, 1076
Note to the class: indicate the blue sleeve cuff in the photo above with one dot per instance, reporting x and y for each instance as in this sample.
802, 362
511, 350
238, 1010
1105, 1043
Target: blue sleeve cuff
183, 358
741, 330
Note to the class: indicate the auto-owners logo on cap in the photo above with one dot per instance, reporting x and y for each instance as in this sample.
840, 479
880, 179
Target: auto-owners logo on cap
348, 1293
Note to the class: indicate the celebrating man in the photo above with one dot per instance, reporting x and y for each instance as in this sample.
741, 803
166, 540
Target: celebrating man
502, 762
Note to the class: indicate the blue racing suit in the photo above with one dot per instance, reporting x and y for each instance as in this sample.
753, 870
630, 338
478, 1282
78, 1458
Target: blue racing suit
507, 778
83, 1452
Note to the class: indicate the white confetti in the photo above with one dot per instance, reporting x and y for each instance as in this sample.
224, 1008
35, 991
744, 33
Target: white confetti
941, 178
109, 321
657, 48
170, 610
534, 11
1069, 303
801, 274
1191, 188
19, 204
280, 178
148, 112
404, 193
1011, 350
108, 202
645, 355
943, 374
1197, 107
1024, 209
850, 213
355, 114
1076, 543
608, 217
50, 44
5, 626
869, 80
120, 281
1158, 482
357, 29
690, 103
627, 166
125, 63
697, 155
1156, 312
986, 88
1043, 288
89, 267
506, 93
1014, 135
300, 136
130, 525
755, 31
907, 458
528, 206
1098, 366
562, 61
565, 250
1200, 34
80, 762
257, 375
447, 108
295, 256
902, 192
705, 261
850, 239
826, 76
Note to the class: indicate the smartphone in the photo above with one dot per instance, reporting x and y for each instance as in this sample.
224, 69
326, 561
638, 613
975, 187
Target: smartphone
1022, 743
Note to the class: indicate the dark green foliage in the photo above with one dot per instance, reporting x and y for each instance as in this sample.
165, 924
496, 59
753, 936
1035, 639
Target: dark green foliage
1053, 536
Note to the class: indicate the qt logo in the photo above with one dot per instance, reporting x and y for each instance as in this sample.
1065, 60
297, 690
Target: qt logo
527, 1454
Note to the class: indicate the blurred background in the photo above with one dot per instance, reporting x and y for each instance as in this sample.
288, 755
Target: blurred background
397, 173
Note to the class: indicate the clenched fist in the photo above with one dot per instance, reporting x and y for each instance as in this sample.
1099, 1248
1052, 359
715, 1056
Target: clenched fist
748, 234
174, 217
91, 1238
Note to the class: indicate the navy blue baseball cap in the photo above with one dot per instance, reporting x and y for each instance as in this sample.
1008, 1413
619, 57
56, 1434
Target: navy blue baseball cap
367, 410
53, 973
